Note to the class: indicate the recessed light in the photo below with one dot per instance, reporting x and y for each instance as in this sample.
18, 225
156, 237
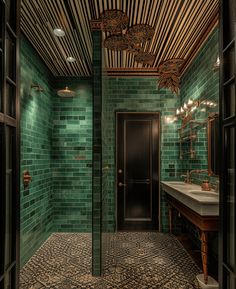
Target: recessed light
59, 32
70, 59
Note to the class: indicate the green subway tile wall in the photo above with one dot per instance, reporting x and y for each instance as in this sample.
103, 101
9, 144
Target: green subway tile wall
72, 156
200, 81
137, 94
36, 130
56, 147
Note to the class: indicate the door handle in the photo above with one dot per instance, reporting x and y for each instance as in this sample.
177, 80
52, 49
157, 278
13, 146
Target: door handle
120, 184
147, 181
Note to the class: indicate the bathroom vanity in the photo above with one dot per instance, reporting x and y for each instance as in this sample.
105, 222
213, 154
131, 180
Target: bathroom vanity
201, 208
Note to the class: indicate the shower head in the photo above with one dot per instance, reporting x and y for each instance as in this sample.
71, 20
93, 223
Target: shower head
66, 92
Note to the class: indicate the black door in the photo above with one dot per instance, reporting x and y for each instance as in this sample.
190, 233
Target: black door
227, 236
137, 171
9, 144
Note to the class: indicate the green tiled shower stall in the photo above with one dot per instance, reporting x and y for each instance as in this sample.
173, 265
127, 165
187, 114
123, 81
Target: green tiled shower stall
57, 142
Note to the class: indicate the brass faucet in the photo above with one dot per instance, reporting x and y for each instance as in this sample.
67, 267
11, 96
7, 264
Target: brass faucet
188, 178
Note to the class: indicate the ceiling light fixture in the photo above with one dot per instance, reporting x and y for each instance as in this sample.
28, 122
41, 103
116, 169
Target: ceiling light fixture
59, 32
114, 21
70, 59
133, 40
122, 37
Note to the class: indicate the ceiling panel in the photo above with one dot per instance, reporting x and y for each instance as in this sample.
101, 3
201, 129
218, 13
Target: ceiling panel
181, 27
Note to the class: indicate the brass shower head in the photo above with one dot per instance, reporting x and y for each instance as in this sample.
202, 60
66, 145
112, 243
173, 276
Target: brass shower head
66, 92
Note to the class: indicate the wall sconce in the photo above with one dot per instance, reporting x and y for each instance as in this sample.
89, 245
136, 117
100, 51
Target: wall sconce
185, 111
216, 66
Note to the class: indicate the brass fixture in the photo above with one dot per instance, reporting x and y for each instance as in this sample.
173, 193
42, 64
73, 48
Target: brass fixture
37, 87
205, 185
185, 111
26, 178
66, 92
188, 178
170, 74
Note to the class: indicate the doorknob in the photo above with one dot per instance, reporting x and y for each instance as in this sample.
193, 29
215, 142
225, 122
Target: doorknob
120, 171
120, 184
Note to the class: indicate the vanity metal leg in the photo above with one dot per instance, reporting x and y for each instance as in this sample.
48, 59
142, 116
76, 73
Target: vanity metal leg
170, 219
204, 253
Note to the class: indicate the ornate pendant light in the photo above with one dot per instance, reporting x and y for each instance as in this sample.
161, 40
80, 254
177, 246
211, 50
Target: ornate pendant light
169, 74
140, 33
171, 65
114, 21
116, 42
144, 57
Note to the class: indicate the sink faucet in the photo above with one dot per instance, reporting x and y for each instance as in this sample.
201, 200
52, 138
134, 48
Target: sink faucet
188, 178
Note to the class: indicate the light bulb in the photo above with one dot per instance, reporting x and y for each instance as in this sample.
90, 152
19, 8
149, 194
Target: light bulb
190, 102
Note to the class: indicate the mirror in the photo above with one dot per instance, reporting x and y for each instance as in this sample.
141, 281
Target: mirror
213, 145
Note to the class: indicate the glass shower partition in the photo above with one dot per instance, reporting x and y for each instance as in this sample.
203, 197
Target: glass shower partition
108, 172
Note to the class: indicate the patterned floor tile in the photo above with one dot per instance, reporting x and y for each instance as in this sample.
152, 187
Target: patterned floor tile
132, 261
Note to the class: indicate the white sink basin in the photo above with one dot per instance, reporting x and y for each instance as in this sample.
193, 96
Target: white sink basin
177, 183
205, 203
204, 193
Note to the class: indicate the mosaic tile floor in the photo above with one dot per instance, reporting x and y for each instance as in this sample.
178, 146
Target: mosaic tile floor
133, 261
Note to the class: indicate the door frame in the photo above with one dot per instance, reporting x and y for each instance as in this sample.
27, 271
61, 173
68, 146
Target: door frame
117, 113
227, 43
12, 29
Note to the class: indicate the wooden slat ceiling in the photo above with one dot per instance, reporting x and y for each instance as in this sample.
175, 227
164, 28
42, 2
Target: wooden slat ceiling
181, 27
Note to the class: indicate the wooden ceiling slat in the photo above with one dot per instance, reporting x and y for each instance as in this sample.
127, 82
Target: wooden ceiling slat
69, 39
86, 40
54, 48
40, 50
179, 37
194, 34
164, 34
41, 35
198, 21
179, 26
